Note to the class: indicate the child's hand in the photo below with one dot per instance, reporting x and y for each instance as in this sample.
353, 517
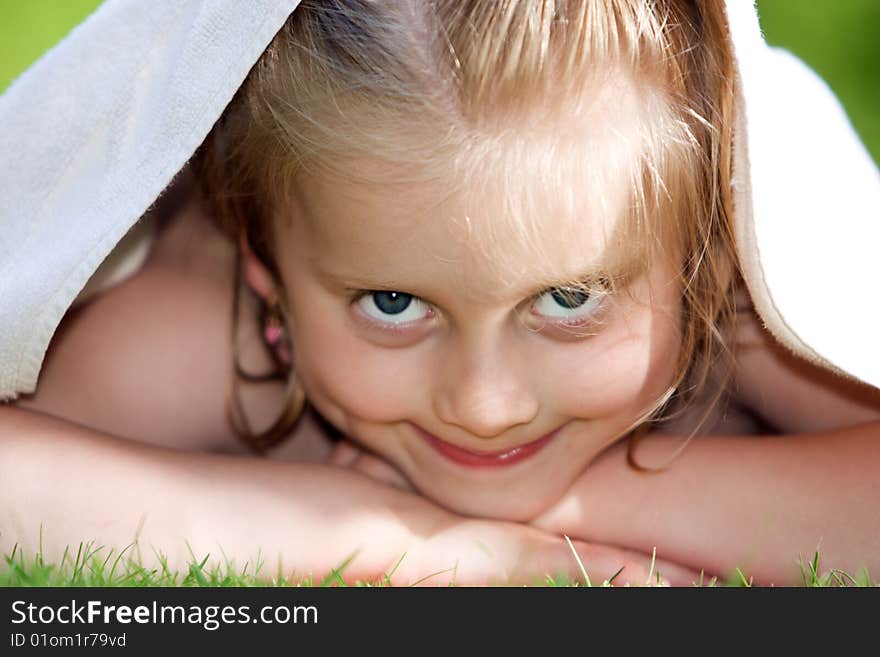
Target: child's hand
348, 455
497, 552
487, 552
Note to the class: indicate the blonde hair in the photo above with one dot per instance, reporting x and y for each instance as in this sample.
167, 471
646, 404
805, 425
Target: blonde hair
423, 84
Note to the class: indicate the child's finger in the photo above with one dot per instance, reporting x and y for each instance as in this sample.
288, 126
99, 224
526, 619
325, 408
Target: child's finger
660, 571
675, 574
629, 567
344, 454
490, 553
603, 563
380, 470
348, 455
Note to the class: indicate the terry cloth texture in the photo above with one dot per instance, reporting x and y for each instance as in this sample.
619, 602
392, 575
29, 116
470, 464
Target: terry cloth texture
93, 133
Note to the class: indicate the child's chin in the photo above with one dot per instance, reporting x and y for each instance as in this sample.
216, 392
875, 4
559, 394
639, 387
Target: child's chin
500, 504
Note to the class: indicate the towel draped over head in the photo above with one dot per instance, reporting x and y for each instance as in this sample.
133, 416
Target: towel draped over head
93, 133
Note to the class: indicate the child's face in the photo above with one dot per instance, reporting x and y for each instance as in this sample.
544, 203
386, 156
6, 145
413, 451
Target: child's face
427, 332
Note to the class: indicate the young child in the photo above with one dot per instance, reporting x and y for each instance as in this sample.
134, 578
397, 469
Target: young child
479, 268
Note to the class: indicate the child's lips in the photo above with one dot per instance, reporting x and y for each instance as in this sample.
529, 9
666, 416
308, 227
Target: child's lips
479, 458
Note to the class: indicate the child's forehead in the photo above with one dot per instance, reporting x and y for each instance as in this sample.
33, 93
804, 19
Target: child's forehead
514, 231
537, 200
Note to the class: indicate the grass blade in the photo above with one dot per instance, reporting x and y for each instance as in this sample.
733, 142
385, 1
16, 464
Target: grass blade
579, 562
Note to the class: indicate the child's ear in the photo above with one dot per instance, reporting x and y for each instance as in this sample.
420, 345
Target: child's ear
255, 272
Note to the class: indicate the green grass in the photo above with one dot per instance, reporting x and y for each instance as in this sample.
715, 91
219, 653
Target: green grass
92, 565
838, 40
29, 28
96, 565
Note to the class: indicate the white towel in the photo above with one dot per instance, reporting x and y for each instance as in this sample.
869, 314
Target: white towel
807, 208
96, 129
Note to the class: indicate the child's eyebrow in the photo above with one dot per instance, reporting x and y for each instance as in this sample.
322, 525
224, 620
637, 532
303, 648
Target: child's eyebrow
348, 278
599, 276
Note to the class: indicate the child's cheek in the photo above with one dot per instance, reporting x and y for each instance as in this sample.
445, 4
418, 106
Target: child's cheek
357, 378
619, 372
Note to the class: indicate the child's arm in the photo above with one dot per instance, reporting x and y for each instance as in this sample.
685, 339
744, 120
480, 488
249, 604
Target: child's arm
754, 503
79, 485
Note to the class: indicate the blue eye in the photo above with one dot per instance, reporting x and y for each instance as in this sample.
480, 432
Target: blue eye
562, 303
568, 298
392, 303
393, 307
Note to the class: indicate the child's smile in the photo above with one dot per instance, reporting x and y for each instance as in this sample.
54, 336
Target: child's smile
483, 458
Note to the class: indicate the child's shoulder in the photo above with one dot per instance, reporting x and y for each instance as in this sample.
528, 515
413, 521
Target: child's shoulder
149, 358
789, 393
770, 390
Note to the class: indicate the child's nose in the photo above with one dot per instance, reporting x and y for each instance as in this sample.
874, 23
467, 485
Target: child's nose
485, 394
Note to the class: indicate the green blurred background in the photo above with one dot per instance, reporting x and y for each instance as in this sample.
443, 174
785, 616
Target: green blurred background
836, 37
